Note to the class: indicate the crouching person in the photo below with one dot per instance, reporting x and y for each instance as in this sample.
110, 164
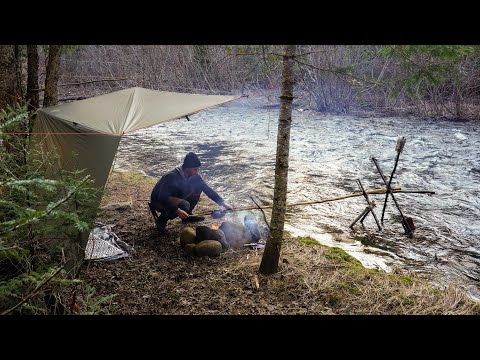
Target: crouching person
177, 193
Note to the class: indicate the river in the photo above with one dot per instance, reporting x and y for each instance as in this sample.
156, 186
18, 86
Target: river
237, 144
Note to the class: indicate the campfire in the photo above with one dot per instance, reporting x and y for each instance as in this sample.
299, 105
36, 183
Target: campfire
215, 226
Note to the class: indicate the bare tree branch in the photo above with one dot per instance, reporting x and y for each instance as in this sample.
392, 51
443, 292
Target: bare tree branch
83, 82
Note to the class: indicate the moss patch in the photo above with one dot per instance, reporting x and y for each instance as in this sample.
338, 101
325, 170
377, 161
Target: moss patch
401, 278
339, 254
406, 279
308, 241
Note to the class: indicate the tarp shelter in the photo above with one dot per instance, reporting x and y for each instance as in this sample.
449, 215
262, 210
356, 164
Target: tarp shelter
86, 133
92, 128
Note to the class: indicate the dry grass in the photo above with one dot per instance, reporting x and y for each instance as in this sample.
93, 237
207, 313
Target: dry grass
313, 279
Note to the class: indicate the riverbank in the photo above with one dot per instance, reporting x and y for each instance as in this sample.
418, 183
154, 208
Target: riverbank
159, 277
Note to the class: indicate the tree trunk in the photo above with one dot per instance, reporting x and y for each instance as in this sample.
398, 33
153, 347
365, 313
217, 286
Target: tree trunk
18, 70
51, 77
271, 254
32, 80
8, 83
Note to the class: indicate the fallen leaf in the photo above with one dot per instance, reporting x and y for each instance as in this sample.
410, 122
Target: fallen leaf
254, 280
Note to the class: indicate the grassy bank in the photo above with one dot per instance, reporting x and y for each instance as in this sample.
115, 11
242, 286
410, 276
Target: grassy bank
159, 278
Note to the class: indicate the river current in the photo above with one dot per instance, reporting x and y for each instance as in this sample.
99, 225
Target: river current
237, 144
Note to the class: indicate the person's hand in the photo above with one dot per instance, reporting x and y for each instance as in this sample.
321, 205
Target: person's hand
182, 214
227, 206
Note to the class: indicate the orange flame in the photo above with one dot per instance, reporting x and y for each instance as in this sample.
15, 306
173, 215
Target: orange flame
214, 226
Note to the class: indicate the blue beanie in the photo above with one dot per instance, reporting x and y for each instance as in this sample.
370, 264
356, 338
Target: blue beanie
191, 161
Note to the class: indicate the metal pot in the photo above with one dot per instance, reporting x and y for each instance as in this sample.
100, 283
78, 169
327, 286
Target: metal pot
217, 214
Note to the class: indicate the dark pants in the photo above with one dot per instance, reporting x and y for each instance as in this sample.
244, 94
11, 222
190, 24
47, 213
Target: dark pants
187, 204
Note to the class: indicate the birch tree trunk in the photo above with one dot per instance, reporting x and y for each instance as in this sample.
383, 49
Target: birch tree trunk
51, 77
271, 254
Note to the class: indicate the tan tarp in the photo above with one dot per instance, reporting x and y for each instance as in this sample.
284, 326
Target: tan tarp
92, 128
86, 133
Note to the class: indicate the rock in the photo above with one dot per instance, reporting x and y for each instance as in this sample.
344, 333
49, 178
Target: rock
209, 248
187, 236
212, 234
207, 233
190, 249
236, 235
223, 240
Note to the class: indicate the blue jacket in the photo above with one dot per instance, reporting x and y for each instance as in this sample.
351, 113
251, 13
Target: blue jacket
175, 184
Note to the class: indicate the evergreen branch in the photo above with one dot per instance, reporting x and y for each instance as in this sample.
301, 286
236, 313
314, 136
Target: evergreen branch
6, 312
337, 73
10, 173
407, 58
10, 204
50, 207
16, 119
47, 184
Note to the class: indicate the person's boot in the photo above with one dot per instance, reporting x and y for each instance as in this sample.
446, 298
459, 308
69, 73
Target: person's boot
161, 225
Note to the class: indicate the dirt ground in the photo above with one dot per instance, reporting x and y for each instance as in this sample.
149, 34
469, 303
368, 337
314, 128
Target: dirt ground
160, 278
